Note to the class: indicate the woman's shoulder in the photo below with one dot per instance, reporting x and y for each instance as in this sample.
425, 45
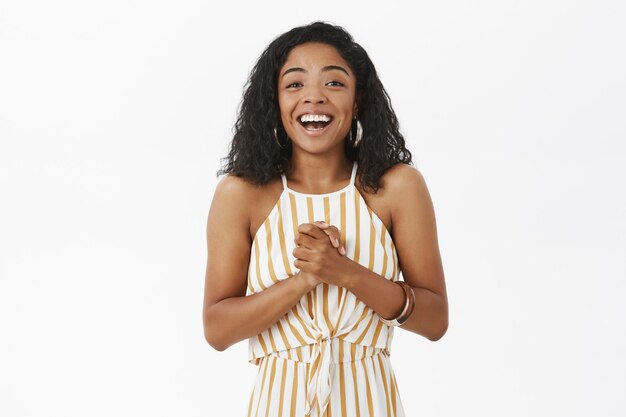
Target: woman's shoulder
400, 176
405, 183
234, 186
252, 201
398, 184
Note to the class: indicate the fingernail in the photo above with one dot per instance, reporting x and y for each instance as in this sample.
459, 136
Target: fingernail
336, 242
342, 250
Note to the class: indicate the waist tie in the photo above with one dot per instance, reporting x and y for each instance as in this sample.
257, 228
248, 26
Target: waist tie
321, 358
319, 382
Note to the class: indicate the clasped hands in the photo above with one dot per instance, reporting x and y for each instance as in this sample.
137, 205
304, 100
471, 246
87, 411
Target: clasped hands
320, 253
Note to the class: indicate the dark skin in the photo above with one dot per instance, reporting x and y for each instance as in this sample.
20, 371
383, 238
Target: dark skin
320, 81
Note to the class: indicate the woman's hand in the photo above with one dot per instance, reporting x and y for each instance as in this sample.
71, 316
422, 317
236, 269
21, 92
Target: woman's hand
320, 252
333, 234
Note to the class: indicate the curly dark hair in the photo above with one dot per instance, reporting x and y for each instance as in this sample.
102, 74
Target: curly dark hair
254, 153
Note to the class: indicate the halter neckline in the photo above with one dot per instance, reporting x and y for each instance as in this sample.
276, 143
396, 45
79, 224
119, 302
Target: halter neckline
350, 184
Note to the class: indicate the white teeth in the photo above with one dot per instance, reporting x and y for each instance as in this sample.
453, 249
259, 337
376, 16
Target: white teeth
314, 118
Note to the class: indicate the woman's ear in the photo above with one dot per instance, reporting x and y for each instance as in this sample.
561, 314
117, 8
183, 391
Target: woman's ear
355, 111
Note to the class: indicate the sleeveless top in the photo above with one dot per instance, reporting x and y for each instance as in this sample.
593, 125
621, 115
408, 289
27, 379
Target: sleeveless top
309, 330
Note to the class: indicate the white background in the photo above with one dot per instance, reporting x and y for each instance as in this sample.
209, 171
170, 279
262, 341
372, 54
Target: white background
113, 119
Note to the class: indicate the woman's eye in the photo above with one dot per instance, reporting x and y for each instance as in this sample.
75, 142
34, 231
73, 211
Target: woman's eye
335, 83
294, 85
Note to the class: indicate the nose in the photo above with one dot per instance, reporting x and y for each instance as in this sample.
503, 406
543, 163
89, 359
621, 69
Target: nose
314, 94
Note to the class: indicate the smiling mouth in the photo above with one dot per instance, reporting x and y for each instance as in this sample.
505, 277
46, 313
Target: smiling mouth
314, 122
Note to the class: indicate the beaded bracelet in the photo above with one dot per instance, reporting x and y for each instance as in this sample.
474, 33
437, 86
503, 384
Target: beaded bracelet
409, 304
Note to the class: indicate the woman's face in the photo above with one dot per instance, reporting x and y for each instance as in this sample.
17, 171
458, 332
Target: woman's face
316, 96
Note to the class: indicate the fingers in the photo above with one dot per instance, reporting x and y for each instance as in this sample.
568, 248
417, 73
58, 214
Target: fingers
302, 253
321, 224
305, 241
334, 235
312, 230
330, 231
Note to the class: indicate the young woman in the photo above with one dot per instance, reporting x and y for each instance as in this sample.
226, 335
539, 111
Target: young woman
308, 233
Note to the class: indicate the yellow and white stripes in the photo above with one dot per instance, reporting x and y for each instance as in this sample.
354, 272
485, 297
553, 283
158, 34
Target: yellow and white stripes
363, 382
329, 335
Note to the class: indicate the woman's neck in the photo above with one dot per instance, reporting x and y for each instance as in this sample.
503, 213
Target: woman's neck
319, 173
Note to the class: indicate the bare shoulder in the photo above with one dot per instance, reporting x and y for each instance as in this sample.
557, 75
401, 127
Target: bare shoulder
402, 178
401, 187
233, 193
406, 182
229, 204
243, 202
233, 188
411, 203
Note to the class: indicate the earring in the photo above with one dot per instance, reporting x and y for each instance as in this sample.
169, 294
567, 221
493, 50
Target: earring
277, 141
359, 134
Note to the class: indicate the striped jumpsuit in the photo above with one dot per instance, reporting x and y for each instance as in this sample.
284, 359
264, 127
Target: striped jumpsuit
329, 355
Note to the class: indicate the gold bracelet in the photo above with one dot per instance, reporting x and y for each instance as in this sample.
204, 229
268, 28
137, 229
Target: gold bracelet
409, 305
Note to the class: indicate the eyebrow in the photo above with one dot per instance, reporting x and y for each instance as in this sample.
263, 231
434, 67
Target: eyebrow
326, 68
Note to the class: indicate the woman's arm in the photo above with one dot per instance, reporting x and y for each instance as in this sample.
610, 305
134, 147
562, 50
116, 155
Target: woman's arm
415, 239
230, 316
